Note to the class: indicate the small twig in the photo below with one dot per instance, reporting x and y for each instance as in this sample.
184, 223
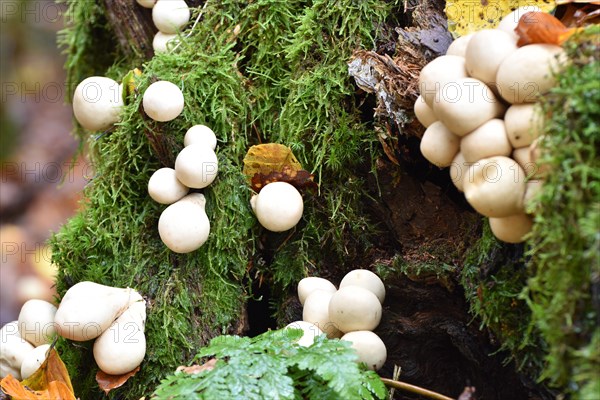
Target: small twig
193, 26
414, 389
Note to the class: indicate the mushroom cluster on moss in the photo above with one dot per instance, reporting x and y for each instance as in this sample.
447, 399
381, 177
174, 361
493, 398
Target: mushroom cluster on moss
169, 17
478, 103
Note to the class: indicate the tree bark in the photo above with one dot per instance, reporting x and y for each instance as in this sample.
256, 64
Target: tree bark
132, 26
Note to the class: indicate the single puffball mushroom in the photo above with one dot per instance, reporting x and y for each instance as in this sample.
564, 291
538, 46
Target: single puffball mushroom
527, 72
365, 279
458, 171
13, 349
524, 124
36, 322
309, 332
146, 3
278, 206
97, 103
522, 156
459, 46
437, 74
495, 186
353, 308
200, 134
509, 23
34, 360
307, 285
466, 104
87, 309
196, 166
486, 51
511, 229
163, 101
165, 188
369, 347
438, 145
488, 140
122, 347
184, 226
316, 311
423, 112
163, 42
169, 16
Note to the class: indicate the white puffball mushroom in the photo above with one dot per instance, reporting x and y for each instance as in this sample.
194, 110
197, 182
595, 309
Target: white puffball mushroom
495, 186
309, 332
165, 188
522, 156
163, 42
459, 46
524, 124
423, 112
509, 22
458, 171
184, 226
97, 103
511, 229
370, 348
309, 284
488, 140
147, 3
367, 280
316, 311
196, 166
486, 51
13, 349
278, 206
466, 104
353, 308
437, 74
200, 134
163, 101
438, 145
527, 72
169, 16
33, 360
36, 322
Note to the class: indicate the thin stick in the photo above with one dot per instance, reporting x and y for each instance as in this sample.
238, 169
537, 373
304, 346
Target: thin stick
193, 26
414, 389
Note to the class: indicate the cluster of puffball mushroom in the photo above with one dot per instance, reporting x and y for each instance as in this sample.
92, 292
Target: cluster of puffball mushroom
350, 313
169, 16
184, 226
478, 105
117, 327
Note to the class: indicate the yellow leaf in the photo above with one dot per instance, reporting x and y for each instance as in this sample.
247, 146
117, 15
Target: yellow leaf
268, 158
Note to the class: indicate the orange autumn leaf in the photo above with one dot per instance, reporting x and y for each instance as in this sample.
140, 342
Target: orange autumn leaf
539, 27
299, 179
108, 382
196, 369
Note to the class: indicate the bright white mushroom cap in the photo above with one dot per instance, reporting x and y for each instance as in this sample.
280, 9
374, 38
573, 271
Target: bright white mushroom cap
437, 74
278, 206
511, 229
196, 166
424, 113
524, 124
163, 42
459, 46
316, 311
97, 103
170, 16
200, 134
310, 332
309, 284
353, 308
146, 3
370, 348
13, 349
488, 140
486, 51
366, 280
165, 188
163, 101
438, 145
184, 226
33, 360
36, 322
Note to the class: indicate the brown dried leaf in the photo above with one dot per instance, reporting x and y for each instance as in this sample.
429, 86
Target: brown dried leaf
108, 382
539, 27
267, 158
300, 179
196, 369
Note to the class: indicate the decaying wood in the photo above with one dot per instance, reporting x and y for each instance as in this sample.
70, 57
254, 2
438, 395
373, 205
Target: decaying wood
132, 26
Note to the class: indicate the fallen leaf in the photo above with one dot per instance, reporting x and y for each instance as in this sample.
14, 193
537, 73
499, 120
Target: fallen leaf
300, 179
196, 369
267, 158
108, 382
539, 27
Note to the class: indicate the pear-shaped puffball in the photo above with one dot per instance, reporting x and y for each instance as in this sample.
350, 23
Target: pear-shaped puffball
353, 308
278, 206
36, 322
165, 188
197, 166
200, 134
370, 348
97, 103
13, 349
170, 16
309, 284
366, 280
184, 226
163, 101
163, 42
33, 360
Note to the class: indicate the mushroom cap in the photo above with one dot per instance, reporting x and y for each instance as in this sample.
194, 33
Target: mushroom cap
486, 51
511, 229
97, 103
36, 322
353, 308
310, 332
370, 348
522, 156
510, 21
163, 42
200, 134
437, 74
316, 311
424, 113
184, 226
165, 188
458, 170
278, 206
196, 166
147, 3
163, 101
33, 360
438, 145
367, 280
524, 123
170, 16
307, 285
488, 140
495, 186
459, 46
13, 350
527, 72
532, 189
466, 104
